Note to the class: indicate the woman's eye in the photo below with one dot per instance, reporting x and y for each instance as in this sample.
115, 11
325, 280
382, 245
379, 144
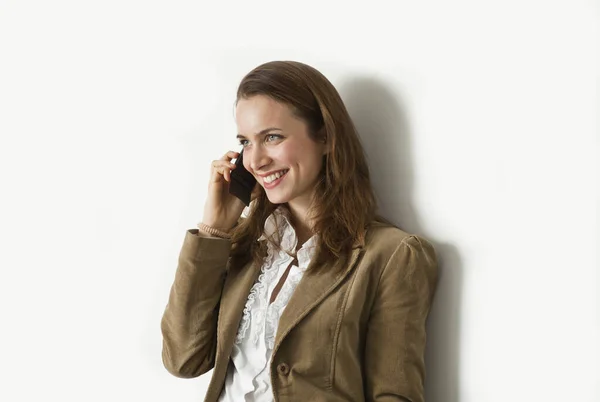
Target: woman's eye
243, 142
272, 137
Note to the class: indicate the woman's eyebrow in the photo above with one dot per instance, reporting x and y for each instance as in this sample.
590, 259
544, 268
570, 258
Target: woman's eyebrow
261, 132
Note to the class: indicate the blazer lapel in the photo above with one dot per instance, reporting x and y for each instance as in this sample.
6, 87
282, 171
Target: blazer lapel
235, 293
311, 290
233, 299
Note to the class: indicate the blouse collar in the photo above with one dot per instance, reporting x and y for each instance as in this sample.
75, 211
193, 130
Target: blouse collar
286, 235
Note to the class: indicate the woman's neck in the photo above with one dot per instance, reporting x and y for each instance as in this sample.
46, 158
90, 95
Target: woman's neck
300, 222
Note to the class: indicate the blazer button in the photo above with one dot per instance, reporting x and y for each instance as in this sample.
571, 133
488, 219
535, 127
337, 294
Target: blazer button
283, 369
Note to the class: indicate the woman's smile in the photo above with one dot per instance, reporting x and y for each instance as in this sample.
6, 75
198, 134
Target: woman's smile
274, 179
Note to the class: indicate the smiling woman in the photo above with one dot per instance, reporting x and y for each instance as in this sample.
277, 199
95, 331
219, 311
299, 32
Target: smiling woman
284, 158
312, 296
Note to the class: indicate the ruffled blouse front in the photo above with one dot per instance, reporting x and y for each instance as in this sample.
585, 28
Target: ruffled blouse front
248, 378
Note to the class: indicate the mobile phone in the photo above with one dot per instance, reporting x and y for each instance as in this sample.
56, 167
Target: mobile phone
242, 182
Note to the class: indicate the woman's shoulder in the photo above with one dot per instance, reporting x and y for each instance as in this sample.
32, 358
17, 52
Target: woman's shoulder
384, 235
385, 242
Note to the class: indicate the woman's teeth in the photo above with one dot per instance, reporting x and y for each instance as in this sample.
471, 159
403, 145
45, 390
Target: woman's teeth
275, 176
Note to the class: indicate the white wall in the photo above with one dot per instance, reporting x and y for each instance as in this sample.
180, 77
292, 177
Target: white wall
478, 117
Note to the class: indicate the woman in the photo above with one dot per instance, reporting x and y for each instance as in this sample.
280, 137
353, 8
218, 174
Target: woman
311, 296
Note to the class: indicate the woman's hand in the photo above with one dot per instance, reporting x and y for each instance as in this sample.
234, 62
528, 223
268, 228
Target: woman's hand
221, 209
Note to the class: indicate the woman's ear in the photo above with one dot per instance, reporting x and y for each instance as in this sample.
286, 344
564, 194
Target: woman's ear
322, 137
327, 148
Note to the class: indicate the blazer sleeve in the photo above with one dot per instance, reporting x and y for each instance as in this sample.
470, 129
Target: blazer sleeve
395, 343
189, 322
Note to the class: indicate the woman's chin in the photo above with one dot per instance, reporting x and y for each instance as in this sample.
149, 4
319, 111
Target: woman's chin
275, 198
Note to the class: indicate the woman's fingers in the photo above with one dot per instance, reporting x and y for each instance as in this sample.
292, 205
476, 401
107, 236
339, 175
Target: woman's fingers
220, 164
230, 155
222, 167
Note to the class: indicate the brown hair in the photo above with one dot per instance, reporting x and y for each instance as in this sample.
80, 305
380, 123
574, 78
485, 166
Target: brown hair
344, 203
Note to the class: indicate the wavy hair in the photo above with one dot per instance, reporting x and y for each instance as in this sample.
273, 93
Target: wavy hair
344, 203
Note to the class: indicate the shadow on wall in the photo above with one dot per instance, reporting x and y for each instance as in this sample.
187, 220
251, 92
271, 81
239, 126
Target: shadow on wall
385, 133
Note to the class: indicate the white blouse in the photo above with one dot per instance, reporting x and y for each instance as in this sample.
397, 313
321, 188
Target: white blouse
249, 377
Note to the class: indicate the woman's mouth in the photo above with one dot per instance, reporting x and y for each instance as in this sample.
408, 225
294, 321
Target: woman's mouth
273, 180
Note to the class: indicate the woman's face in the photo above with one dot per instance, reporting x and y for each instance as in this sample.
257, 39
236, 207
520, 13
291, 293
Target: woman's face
278, 150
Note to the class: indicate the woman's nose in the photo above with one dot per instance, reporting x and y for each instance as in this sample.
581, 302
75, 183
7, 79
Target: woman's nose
258, 159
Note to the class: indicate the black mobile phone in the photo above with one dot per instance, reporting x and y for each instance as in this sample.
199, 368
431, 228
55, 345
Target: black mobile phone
242, 182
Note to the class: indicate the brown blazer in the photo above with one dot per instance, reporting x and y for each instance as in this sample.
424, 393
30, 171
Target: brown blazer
355, 334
